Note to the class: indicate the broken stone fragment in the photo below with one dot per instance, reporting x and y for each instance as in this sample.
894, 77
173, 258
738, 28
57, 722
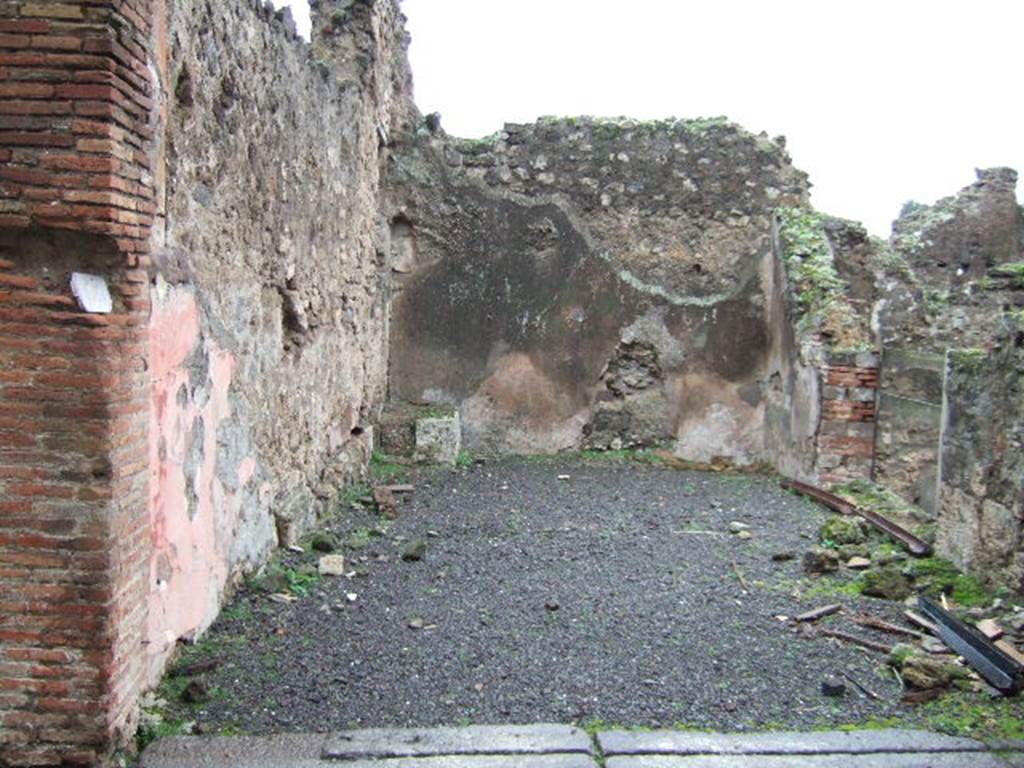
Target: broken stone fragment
414, 552
844, 530
331, 565
926, 672
818, 561
737, 527
385, 501
858, 563
833, 686
888, 583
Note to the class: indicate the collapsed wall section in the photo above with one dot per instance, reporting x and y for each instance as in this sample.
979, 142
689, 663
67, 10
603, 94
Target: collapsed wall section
823, 366
944, 284
590, 283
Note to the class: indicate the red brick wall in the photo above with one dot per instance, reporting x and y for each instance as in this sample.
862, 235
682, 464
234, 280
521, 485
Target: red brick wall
76, 194
846, 437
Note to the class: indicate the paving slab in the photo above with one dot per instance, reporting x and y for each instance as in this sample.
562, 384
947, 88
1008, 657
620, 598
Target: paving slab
470, 740
284, 751
781, 743
877, 760
472, 761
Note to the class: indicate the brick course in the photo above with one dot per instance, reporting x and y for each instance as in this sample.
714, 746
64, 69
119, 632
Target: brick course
846, 441
75, 101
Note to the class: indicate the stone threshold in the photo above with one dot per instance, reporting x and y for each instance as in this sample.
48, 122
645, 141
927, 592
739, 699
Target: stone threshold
564, 746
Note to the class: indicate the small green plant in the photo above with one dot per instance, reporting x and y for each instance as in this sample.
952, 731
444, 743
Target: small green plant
821, 294
300, 581
464, 459
934, 576
970, 361
1013, 270
385, 468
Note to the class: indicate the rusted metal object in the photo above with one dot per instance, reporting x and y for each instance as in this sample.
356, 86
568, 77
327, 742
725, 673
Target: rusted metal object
915, 545
997, 667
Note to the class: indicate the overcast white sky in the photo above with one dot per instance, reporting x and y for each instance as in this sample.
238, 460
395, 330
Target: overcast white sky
882, 101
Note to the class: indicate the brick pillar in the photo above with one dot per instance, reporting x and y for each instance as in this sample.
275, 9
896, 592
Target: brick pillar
76, 195
846, 435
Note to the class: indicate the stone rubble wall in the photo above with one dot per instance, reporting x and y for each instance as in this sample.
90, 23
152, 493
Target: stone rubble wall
981, 519
941, 288
270, 319
223, 179
582, 283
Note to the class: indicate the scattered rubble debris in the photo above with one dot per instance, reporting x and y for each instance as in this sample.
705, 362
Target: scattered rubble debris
914, 545
818, 613
384, 498
818, 561
331, 565
833, 687
923, 672
990, 629
888, 582
999, 669
415, 551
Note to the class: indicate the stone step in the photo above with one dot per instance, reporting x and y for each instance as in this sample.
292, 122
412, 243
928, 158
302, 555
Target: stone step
564, 746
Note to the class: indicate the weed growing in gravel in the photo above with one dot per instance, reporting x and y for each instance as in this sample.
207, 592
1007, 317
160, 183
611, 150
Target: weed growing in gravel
933, 576
385, 468
957, 713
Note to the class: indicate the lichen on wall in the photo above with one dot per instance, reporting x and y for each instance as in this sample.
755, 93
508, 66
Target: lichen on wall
981, 519
944, 285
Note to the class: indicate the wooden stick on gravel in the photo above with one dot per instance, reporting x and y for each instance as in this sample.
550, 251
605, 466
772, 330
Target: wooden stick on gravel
819, 613
739, 575
921, 621
866, 691
869, 644
867, 620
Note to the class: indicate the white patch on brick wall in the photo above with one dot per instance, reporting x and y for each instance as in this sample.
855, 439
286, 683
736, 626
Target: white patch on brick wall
92, 293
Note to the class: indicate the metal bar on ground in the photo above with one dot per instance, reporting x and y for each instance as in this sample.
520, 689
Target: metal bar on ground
992, 663
843, 507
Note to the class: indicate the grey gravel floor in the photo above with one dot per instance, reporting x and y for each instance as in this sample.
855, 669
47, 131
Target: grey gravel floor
611, 596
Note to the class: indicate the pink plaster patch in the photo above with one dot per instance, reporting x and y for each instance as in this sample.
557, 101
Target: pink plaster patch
191, 546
